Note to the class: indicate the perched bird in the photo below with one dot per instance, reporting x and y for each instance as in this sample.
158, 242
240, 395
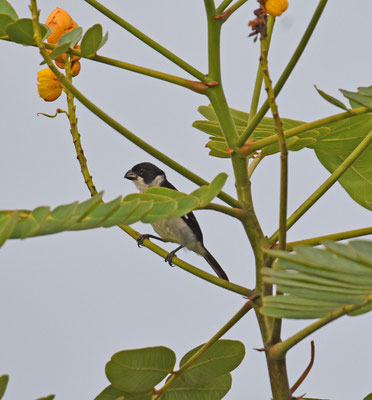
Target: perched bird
183, 230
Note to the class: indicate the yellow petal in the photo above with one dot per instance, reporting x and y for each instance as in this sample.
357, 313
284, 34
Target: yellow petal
276, 7
49, 87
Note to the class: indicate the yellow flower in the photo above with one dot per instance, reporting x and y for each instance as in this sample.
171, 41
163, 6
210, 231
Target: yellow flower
60, 22
276, 7
49, 87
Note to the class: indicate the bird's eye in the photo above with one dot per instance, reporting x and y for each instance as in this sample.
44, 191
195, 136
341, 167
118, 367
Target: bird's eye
141, 171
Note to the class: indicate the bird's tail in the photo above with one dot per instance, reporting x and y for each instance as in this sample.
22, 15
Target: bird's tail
214, 264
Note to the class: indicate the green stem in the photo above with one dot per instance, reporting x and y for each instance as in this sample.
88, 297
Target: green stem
236, 318
150, 42
223, 6
341, 169
76, 135
286, 73
227, 14
259, 76
253, 165
188, 267
279, 351
238, 213
335, 237
249, 148
196, 86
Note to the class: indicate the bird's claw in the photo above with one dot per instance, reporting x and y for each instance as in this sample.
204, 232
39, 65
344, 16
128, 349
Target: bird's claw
169, 258
141, 238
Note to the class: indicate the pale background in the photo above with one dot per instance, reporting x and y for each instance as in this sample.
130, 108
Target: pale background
69, 301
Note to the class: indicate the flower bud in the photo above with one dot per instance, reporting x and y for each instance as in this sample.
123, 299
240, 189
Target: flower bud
60, 22
75, 68
276, 7
49, 87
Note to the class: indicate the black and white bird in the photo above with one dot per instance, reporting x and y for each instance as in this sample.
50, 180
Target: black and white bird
183, 230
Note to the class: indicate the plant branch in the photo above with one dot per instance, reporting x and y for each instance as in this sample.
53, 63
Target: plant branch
249, 148
307, 370
340, 170
223, 6
128, 134
196, 86
238, 213
335, 237
76, 135
286, 73
236, 318
279, 350
227, 14
146, 39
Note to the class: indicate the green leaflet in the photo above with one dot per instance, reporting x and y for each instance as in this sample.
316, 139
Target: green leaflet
22, 31
139, 370
265, 129
4, 379
92, 40
148, 207
7, 8
318, 281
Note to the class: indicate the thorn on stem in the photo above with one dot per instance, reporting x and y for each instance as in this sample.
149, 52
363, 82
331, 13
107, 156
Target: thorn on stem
306, 372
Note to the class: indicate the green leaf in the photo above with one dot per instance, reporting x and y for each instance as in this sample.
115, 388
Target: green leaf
331, 99
111, 393
50, 397
317, 281
221, 358
266, 128
59, 50
139, 370
91, 41
334, 147
213, 390
206, 196
5, 20
104, 40
71, 37
368, 397
4, 379
360, 98
7, 8
22, 31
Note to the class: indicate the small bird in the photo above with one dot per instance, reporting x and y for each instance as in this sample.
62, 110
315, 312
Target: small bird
183, 230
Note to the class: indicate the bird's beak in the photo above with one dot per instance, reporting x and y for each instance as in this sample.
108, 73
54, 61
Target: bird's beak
130, 175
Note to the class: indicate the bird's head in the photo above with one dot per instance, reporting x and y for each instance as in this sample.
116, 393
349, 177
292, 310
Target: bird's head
145, 175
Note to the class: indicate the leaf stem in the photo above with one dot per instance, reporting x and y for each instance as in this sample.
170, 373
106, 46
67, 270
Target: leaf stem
227, 14
286, 73
279, 350
335, 237
249, 148
146, 39
196, 86
341, 169
236, 318
76, 135
223, 6
238, 213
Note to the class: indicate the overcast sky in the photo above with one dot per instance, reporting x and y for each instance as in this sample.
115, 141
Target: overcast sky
69, 301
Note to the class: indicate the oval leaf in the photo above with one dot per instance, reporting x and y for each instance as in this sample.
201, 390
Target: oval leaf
71, 37
205, 197
331, 99
91, 41
213, 390
111, 393
5, 20
221, 358
6, 8
22, 31
139, 370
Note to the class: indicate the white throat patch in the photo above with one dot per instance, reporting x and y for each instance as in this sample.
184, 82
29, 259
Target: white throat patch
142, 186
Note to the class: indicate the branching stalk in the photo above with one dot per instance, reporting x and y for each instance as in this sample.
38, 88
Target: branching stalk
227, 14
146, 39
338, 172
286, 73
279, 351
236, 318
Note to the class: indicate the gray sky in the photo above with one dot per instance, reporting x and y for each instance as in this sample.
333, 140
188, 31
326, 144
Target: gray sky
69, 301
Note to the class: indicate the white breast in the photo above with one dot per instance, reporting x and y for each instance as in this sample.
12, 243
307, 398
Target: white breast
177, 231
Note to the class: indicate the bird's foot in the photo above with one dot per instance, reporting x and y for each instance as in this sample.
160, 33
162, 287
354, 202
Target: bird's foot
141, 238
169, 258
